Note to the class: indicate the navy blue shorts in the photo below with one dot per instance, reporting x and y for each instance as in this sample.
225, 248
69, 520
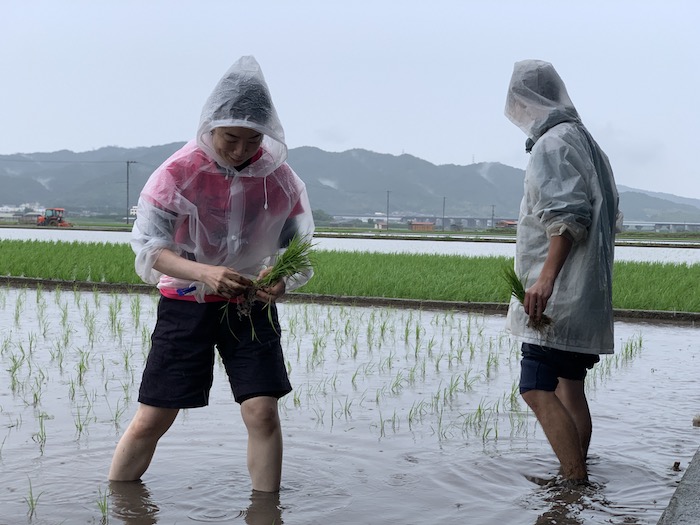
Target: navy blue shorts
179, 370
541, 367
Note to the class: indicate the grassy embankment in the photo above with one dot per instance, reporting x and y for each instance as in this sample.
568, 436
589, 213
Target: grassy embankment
637, 286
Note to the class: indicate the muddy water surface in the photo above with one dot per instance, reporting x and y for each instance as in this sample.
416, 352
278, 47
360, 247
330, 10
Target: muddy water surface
398, 416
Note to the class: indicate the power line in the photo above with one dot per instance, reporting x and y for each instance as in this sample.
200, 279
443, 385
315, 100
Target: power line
67, 161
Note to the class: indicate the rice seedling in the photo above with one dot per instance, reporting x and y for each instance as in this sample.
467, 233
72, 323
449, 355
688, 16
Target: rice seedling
320, 414
32, 500
114, 309
71, 390
83, 365
81, 421
397, 383
346, 407
297, 397
39, 436
517, 290
19, 308
118, 412
135, 305
416, 413
5, 344
103, 504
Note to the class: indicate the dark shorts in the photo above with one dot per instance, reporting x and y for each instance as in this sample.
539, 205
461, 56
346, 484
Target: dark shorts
179, 370
541, 367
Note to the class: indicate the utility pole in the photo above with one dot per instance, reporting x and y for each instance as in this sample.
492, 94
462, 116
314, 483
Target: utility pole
493, 225
387, 209
128, 208
443, 213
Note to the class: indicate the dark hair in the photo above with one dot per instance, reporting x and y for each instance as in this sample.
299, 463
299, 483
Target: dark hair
545, 81
251, 101
549, 89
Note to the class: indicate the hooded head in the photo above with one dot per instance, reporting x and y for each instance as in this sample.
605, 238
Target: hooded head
242, 99
537, 99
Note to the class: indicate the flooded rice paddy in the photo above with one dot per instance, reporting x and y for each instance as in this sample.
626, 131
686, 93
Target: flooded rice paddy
397, 416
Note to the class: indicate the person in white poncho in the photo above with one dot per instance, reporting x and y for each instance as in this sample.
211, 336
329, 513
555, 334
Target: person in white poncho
564, 254
210, 220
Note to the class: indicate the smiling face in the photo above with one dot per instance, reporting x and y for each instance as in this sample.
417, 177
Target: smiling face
236, 145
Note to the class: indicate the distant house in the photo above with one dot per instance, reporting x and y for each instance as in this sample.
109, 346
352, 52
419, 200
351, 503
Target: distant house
29, 217
506, 223
419, 226
380, 225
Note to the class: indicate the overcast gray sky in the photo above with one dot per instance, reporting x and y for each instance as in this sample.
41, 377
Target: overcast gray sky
417, 77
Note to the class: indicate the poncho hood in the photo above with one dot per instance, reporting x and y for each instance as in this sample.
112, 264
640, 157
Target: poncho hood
242, 99
537, 99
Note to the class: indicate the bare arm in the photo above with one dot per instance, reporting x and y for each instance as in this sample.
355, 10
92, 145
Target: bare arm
221, 280
537, 296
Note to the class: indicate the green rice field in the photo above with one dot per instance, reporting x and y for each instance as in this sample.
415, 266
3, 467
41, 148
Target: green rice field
636, 285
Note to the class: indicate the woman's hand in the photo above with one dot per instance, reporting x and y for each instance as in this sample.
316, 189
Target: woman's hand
537, 297
219, 280
226, 282
271, 293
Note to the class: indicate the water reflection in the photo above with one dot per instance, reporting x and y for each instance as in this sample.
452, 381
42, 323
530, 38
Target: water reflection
467, 248
566, 500
132, 504
264, 509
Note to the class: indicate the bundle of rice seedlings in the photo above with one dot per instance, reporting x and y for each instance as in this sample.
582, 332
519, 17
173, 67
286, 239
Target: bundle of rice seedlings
517, 290
295, 259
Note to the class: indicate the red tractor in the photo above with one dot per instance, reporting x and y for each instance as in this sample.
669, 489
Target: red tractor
53, 217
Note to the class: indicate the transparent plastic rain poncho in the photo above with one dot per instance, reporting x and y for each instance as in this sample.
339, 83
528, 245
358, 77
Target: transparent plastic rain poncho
206, 211
569, 190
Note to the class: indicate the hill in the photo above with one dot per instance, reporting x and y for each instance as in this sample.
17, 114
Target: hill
353, 182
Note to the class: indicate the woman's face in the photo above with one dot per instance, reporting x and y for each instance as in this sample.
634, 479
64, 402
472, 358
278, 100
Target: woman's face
236, 145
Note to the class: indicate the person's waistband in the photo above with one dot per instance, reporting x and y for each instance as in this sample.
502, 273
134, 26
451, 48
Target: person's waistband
172, 293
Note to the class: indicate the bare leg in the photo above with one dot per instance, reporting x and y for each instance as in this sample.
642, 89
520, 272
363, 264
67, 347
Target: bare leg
560, 429
138, 444
573, 397
264, 442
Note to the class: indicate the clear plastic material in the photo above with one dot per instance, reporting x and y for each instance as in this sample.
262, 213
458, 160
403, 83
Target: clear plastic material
206, 211
569, 190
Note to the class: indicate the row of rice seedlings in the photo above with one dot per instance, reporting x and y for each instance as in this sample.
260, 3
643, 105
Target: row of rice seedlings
71, 261
645, 286
68, 349
657, 286
379, 376
396, 356
385, 371
623, 356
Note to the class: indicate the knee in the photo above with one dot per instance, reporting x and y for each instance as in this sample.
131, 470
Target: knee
260, 415
528, 397
146, 426
535, 398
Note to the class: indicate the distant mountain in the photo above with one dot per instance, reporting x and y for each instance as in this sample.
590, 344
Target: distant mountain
354, 182
357, 182
93, 180
643, 207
